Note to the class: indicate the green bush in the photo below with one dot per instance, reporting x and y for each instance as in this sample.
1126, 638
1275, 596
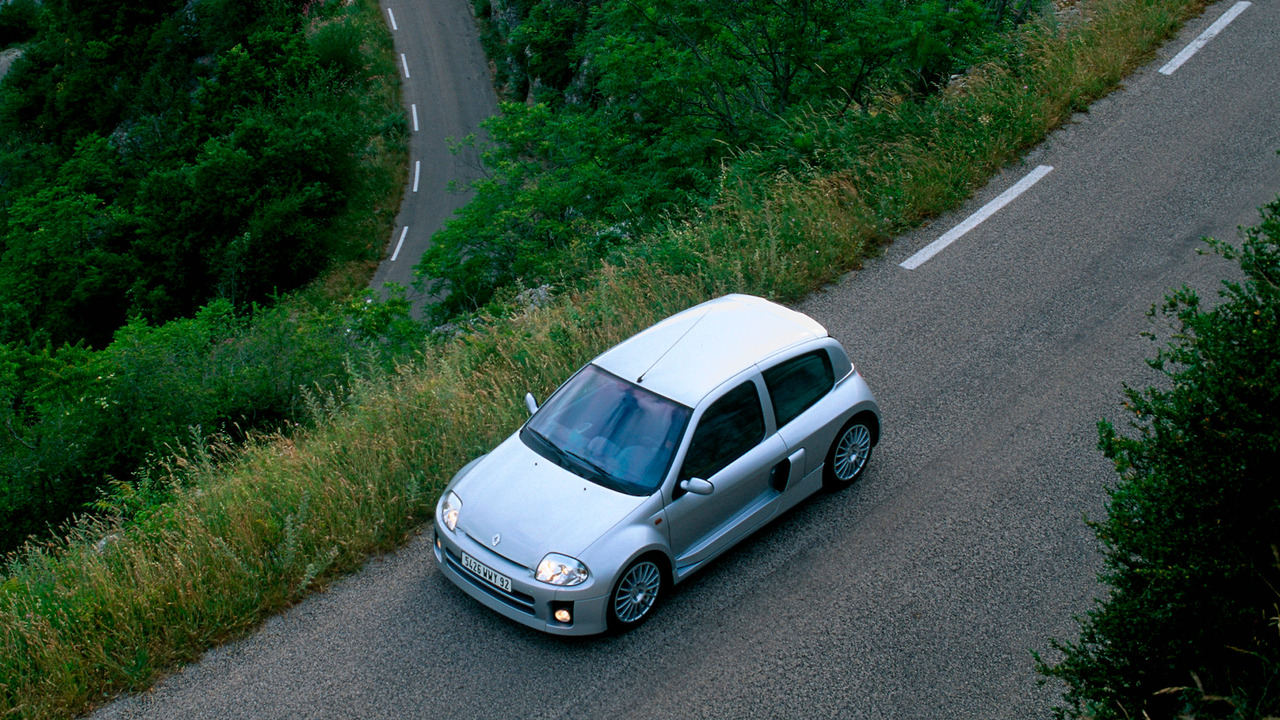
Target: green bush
1190, 626
19, 21
75, 419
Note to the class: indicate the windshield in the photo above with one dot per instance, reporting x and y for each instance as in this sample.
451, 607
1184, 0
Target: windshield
608, 430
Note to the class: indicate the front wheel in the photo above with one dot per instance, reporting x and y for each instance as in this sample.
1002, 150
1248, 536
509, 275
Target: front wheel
848, 455
635, 594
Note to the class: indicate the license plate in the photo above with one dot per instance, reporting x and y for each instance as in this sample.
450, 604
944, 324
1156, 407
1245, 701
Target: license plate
485, 572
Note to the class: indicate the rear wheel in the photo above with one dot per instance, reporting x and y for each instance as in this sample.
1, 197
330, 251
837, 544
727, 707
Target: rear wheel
848, 455
636, 594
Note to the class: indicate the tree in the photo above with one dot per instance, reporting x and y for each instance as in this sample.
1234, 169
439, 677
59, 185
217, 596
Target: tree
63, 267
162, 160
1190, 625
19, 20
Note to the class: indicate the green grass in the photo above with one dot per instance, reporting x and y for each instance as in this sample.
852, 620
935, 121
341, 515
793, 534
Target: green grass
116, 604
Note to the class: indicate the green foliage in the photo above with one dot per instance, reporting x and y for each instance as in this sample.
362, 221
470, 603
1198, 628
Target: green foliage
164, 161
19, 21
638, 105
533, 42
164, 158
1191, 626
733, 67
76, 418
563, 189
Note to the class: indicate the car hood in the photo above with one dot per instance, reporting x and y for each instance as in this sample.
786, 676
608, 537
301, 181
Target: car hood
535, 506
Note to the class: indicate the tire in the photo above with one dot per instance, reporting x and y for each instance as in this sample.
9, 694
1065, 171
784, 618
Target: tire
636, 594
848, 456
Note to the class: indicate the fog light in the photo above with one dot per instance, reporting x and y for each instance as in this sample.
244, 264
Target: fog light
562, 612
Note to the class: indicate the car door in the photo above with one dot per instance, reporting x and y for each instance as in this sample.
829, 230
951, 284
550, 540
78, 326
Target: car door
732, 448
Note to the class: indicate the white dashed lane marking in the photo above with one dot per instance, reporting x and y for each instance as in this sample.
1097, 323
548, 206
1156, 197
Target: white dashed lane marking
977, 218
400, 244
1205, 37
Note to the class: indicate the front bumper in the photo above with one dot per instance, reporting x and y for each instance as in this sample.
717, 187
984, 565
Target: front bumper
530, 602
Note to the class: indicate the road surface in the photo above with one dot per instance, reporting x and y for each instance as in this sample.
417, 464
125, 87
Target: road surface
447, 92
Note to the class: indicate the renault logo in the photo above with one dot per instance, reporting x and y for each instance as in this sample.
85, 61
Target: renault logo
496, 539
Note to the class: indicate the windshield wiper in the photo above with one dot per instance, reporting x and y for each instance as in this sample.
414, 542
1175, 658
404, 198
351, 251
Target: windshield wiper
599, 471
546, 443
567, 458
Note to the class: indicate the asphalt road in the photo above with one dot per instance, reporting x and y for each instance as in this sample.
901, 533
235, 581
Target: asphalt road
919, 592
447, 93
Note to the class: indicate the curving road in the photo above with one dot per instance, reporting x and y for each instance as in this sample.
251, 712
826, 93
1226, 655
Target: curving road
918, 592
447, 92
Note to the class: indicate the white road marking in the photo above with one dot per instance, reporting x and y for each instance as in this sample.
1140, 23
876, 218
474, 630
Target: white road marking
1205, 37
396, 254
393, 19
417, 168
977, 218
404, 63
414, 109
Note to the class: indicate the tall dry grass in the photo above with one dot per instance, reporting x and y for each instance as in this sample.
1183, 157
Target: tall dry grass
116, 603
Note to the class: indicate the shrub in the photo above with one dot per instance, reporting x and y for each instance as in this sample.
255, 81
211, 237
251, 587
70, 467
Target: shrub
1191, 626
76, 418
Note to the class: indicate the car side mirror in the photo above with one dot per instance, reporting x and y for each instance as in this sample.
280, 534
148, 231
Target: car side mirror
697, 486
530, 403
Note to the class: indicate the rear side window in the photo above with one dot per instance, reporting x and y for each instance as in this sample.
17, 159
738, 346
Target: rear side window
798, 383
731, 426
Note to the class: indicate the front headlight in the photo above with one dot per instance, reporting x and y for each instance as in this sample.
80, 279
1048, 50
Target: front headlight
450, 509
557, 569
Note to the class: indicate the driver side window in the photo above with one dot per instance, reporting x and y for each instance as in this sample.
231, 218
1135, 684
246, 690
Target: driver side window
731, 426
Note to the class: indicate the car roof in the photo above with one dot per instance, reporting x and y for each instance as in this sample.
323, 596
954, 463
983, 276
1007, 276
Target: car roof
690, 354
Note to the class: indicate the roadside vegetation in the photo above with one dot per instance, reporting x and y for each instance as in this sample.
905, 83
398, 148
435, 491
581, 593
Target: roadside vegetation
626, 117
168, 175
1191, 625
214, 538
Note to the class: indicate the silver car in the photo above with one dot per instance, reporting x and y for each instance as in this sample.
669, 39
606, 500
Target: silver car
650, 461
